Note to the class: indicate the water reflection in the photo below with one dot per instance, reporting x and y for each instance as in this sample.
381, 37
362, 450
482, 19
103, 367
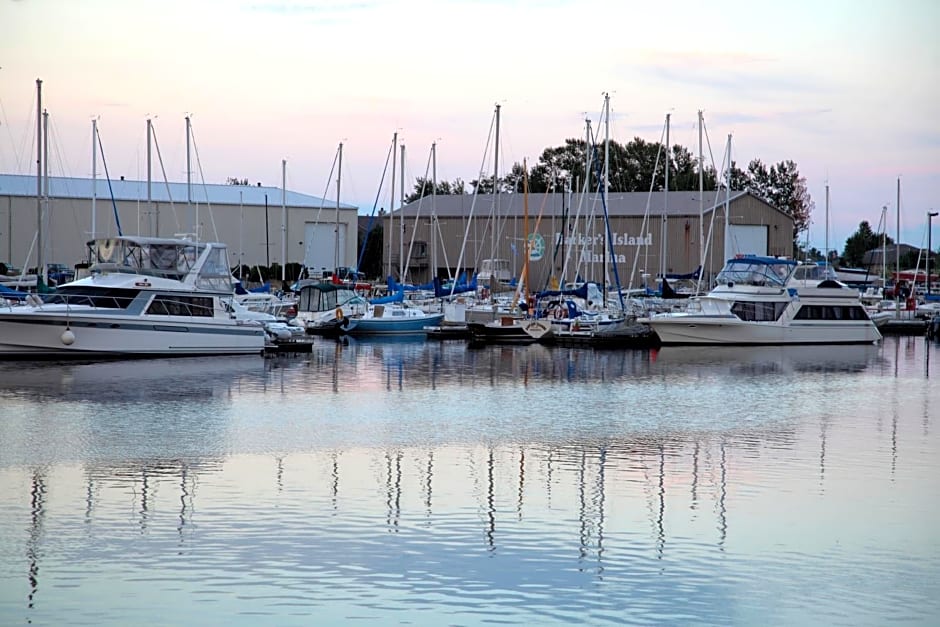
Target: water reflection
406, 481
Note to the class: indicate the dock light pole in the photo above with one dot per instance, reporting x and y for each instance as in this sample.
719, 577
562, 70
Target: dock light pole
930, 215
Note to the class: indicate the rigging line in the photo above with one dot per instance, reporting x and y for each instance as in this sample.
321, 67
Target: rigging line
378, 194
166, 182
25, 151
476, 191
117, 219
609, 236
4, 121
473, 202
414, 231
205, 191
646, 213
711, 228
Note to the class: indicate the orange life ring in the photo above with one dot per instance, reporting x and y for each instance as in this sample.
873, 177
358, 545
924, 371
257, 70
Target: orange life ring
339, 314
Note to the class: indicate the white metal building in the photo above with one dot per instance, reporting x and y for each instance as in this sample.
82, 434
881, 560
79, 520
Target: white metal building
260, 225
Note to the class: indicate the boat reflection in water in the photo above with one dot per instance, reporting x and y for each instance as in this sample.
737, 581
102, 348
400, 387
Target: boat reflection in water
406, 481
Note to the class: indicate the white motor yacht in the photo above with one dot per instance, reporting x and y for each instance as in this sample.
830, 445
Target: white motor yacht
144, 297
764, 301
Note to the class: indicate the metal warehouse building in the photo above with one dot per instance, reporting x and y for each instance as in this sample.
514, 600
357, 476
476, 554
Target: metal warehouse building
644, 228
260, 225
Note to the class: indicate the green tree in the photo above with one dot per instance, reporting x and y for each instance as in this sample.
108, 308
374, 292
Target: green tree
782, 186
859, 243
424, 187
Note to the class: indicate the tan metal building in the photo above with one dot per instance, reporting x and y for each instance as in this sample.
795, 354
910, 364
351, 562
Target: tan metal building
429, 234
248, 219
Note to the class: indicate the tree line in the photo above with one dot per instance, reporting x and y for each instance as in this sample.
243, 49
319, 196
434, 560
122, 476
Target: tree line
639, 166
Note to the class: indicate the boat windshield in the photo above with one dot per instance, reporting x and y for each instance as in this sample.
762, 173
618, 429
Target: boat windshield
167, 259
814, 272
101, 297
757, 272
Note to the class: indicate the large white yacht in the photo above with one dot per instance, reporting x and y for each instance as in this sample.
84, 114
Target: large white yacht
764, 301
143, 297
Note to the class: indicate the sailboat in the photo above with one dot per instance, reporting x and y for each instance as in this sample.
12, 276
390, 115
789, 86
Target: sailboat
513, 329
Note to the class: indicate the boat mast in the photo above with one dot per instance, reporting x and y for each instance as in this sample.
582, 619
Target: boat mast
897, 251
155, 218
339, 174
525, 229
496, 207
701, 205
663, 246
827, 227
283, 221
401, 220
884, 247
94, 174
391, 204
728, 250
189, 186
586, 189
606, 189
38, 178
434, 230
45, 187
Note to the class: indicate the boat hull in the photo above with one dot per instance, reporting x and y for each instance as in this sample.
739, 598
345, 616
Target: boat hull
394, 325
676, 330
37, 334
503, 332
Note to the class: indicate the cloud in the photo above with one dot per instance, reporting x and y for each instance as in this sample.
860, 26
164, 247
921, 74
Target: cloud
747, 76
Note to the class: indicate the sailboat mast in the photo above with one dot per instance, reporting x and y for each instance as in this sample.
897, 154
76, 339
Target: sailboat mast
189, 185
884, 246
94, 175
663, 247
401, 221
525, 229
434, 232
587, 187
155, 220
606, 187
391, 204
45, 184
283, 221
701, 203
496, 200
728, 250
38, 177
897, 248
827, 226
339, 175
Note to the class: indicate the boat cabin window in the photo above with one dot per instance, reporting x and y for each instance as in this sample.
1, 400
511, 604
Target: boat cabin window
758, 311
831, 312
181, 305
104, 298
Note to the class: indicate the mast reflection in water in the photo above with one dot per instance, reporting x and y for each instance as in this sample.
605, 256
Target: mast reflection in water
424, 482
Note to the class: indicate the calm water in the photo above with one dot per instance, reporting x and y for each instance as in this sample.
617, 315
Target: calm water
432, 484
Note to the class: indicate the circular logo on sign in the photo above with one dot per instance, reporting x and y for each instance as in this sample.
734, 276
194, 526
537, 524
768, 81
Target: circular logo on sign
536, 246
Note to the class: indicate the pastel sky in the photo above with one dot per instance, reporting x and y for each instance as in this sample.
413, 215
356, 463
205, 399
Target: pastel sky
850, 90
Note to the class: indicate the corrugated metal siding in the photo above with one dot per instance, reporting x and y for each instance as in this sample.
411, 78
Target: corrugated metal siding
634, 257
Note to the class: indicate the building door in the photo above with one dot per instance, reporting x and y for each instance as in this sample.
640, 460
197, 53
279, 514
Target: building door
746, 239
320, 247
